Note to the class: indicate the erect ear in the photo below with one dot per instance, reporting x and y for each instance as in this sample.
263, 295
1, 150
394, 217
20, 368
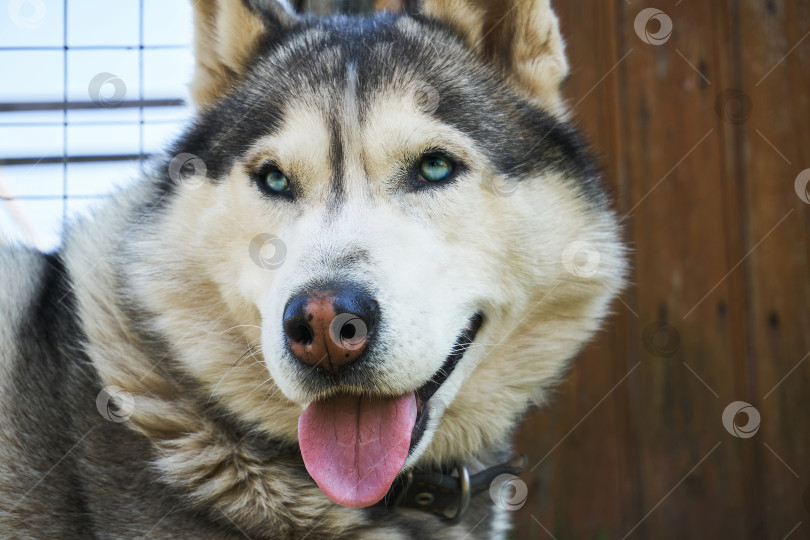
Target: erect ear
226, 34
521, 37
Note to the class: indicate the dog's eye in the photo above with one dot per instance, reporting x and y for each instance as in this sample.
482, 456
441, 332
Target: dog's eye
435, 168
276, 181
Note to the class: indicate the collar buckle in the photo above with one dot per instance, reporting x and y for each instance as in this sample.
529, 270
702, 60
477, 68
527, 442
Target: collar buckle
444, 495
465, 496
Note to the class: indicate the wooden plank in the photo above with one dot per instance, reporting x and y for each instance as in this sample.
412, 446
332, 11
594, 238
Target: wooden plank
732, 109
775, 39
691, 487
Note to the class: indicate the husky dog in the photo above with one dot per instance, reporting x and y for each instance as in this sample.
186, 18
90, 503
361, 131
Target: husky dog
325, 310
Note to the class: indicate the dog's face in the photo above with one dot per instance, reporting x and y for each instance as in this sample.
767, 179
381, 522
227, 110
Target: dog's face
393, 208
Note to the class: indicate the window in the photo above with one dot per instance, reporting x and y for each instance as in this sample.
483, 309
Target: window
88, 90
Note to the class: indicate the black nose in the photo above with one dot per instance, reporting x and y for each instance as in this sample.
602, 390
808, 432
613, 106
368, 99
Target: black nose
330, 326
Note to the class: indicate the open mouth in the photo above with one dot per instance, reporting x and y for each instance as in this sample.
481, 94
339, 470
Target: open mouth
354, 447
427, 390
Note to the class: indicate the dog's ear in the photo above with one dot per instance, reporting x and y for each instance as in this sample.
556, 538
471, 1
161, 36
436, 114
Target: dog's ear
226, 34
521, 37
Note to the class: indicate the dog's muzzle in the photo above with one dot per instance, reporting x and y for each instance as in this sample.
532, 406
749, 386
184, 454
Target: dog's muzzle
355, 446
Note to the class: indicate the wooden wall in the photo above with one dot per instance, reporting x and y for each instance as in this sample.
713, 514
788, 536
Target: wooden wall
702, 138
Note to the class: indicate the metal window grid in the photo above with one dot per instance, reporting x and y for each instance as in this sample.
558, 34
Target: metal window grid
93, 111
8, 108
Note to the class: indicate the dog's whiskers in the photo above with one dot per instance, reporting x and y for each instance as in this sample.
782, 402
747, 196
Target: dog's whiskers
240, 326
250, 352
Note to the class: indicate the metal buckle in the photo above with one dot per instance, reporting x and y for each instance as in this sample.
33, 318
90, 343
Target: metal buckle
466, 495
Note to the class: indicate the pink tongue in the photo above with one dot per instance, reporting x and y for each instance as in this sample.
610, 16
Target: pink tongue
355, 447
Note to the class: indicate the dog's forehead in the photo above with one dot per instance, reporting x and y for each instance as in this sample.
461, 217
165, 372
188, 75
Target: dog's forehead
342, 72
369, 55
343, 68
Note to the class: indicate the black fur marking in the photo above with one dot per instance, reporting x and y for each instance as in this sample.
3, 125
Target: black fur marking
54, 386
336, 160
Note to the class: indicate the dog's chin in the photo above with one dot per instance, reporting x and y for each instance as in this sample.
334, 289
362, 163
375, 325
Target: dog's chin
354, 447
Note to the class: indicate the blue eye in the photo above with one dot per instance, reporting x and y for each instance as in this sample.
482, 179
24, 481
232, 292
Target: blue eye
276, 181
435, 169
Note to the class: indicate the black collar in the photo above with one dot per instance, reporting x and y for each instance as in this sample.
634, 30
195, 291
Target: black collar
444, 494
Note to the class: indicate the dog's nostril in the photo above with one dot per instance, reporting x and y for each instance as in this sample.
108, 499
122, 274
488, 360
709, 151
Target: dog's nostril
348, 331
300, 333
330, 327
